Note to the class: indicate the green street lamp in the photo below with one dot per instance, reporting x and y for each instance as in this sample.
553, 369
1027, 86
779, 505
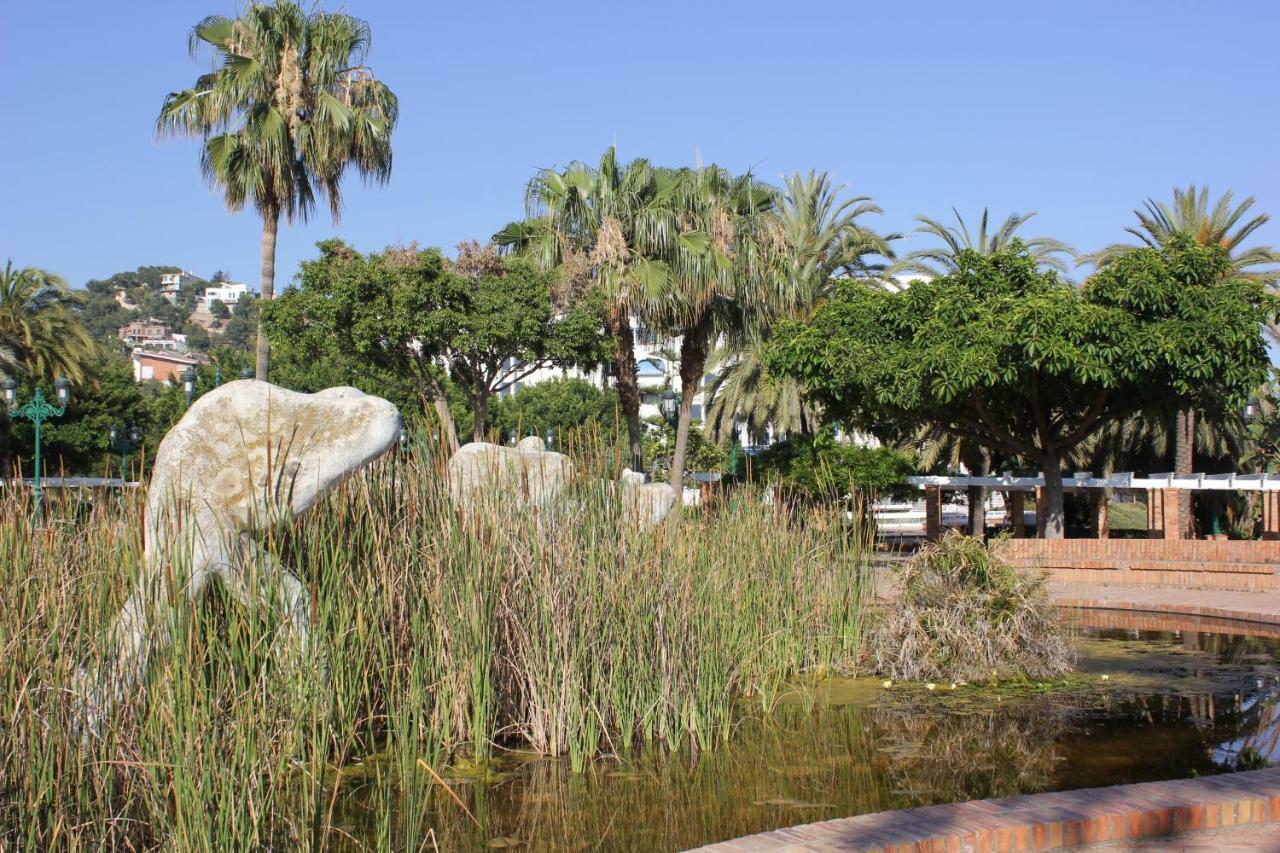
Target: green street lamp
124, 440
37, 411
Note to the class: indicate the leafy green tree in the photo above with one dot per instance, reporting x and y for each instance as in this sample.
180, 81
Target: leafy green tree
556, 407
822, 468
505, 329
40, 335
955, 239
219, 309
240, 331
198, 340
288, 108
78, 442
1223, 224
1004, 352
659, 449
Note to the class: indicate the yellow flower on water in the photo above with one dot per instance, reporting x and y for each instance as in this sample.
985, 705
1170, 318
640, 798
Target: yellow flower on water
953, 685
931, 686
1106, 678
886, 683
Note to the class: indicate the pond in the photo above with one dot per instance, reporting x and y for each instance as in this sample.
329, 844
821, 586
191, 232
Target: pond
1156, 697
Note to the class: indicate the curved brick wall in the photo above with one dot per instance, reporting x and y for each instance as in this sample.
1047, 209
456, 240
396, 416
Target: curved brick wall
1246, 565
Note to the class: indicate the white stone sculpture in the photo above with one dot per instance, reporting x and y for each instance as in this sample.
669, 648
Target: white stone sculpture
528, 474
649, 503
243, 457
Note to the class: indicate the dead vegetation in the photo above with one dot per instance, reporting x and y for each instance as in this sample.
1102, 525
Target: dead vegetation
965, 615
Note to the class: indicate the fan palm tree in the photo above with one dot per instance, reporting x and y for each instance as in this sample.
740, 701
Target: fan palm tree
39, 335
941, 260
1225, 224
287, 109
610, 227
816, 243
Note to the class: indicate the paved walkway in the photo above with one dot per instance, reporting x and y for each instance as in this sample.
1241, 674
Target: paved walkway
1231, 812
1222, 604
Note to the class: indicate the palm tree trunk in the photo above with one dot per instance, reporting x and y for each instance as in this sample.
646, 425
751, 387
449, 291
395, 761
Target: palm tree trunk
1183, 463
267, 289
693, 360
624, 364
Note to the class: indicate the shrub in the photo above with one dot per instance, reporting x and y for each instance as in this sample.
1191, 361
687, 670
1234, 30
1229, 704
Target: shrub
963, 614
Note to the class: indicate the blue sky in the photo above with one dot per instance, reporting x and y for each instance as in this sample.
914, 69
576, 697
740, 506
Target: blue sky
1076, 110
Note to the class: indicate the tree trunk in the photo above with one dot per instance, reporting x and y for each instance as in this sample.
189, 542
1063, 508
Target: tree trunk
481, 406
1183, 463
267, 288
693, 359
449, 432
1054, 522
977, 495
624, 364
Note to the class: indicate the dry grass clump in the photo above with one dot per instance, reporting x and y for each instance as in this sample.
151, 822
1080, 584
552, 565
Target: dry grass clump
966, 615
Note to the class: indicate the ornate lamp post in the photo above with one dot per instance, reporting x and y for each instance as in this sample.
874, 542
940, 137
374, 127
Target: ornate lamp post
189, 383
37, 411
124, 440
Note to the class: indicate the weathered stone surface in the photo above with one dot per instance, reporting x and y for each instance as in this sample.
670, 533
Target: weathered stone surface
528, 475
243, 455
648, 502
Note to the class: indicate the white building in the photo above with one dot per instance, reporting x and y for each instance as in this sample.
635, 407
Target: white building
228, 291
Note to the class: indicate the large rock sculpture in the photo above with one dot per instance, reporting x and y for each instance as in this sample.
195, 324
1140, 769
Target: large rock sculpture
648, 503
528, 475
244, 456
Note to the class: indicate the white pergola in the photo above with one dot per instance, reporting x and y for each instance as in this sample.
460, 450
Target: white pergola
1086, 480
1163, 514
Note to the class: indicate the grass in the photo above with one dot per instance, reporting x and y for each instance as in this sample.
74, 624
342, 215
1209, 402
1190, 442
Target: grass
964, 614
439, 635
1127, 515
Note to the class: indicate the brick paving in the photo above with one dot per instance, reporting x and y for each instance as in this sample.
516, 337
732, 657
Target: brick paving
1041, 821
1265, 838
1231, 812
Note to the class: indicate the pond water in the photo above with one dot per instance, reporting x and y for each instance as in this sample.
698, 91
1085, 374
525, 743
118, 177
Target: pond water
1155, 698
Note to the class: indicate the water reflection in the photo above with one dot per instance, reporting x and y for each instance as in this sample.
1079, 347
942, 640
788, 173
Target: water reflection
1175, 703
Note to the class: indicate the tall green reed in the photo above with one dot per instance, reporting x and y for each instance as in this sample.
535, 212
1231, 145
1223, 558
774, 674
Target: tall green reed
438, 633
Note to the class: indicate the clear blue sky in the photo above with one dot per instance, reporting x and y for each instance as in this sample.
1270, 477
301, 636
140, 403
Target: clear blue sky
1077, 110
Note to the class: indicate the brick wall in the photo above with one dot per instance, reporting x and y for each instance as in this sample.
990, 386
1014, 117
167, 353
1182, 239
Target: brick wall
1191, 563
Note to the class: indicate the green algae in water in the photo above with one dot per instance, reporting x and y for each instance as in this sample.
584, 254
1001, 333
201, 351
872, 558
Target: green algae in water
1171, 705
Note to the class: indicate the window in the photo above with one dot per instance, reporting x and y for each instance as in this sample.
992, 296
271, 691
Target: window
650, 367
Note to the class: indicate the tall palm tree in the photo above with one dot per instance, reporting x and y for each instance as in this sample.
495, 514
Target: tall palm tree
1224, 224
39, 334
288, 108
817, 244
610, 227
941, 260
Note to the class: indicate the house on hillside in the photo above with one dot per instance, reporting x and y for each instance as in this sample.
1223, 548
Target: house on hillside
153, 366
150, 332
171, 284
229, 292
